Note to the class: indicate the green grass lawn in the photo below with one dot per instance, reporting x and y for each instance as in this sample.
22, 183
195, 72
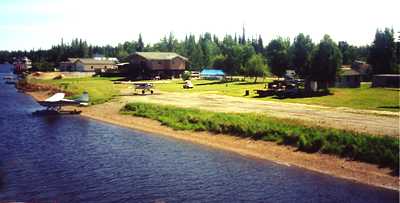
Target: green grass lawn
360, 98
236, 88
100, 89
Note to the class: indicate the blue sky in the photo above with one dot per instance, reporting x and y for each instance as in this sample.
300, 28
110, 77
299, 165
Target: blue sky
41, 23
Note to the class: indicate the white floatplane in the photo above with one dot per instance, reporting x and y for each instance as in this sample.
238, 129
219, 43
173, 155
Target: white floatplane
57, 101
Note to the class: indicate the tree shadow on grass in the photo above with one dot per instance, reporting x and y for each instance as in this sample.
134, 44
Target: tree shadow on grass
297, 95
393, 89
215, 83
250, 83
123, 79
389, 107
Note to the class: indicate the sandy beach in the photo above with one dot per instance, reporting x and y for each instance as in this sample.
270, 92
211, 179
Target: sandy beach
289, 156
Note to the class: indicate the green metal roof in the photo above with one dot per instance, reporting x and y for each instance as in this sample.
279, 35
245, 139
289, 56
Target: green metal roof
160, 55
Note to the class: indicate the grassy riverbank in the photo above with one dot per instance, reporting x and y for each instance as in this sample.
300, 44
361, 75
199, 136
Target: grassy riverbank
380, 150
100, 89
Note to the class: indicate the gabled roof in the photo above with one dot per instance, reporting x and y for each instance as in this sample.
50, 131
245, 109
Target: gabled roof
159, 55
348, 72
362, 68
94, 61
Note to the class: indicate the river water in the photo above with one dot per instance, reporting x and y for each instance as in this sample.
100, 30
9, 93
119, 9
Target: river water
73, 159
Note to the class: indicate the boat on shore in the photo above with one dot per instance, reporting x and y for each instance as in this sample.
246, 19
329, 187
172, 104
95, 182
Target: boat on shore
9, 79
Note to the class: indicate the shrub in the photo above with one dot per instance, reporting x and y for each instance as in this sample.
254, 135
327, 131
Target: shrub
186, 75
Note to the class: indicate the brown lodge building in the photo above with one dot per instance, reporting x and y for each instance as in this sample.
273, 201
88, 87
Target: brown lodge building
148, 65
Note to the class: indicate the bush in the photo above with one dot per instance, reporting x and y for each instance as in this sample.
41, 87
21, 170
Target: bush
186, 75
382, 150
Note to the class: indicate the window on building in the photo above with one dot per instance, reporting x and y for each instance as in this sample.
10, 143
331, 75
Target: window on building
91, 67
105, 67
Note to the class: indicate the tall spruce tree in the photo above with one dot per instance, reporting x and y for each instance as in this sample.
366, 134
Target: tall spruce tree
140, 44
382, 52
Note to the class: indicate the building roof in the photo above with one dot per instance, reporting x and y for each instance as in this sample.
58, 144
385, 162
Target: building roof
387, 75
159, 55
348, 72
212, 72
361, 67
360, 62
122, 64
94, 61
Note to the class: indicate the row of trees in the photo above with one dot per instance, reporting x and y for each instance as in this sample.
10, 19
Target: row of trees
241, 55
314, 62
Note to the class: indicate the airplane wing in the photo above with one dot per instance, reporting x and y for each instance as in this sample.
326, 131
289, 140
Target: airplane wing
55, 98
68, 100
57, 101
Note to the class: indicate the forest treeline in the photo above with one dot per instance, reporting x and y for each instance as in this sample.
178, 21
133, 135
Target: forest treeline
237, 54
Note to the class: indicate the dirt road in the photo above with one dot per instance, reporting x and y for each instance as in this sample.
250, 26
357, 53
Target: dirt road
374, 122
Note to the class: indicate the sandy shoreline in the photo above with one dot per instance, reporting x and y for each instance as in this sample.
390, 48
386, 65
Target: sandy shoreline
326, 164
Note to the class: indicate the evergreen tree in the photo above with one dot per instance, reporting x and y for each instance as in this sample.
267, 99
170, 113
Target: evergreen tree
242, 40
260, 45
382, 52
277, 53
300, 52
171, 43
348, 52
140, 44
326, 60
197, 58
218, 61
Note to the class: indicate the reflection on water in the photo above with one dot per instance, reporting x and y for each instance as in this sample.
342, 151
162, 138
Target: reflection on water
72, 159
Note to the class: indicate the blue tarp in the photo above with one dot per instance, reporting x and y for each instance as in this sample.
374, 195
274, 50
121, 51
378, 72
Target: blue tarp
211, 72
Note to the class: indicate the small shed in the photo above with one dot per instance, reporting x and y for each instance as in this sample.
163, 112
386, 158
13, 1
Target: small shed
363, 68
386, 80
212, 74
348, 77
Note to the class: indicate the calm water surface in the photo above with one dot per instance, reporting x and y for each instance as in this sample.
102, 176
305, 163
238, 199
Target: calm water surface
73, 159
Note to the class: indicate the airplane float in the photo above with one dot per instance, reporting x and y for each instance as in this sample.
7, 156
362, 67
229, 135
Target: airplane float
57, 101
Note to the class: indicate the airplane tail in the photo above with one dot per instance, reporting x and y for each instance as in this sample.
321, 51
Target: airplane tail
84, 98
